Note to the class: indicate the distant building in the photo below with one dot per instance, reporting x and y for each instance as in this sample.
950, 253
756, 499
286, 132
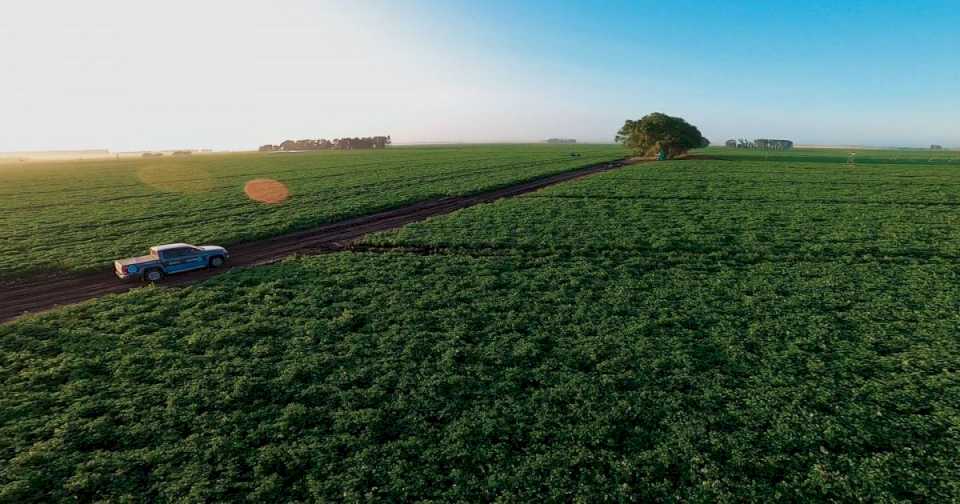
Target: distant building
936, 147
760, 143
768, 144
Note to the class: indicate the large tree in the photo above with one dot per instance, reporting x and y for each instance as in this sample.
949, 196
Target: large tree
661, 135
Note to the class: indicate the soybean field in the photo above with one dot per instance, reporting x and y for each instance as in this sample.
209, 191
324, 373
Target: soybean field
711, 330
80, 215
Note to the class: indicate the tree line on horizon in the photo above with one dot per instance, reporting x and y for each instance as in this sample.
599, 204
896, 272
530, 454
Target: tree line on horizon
760, 143
374, 142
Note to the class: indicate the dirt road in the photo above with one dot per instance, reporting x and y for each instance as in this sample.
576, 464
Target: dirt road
45, 292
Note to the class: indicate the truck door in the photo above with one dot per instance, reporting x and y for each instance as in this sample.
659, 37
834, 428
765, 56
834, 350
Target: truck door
181, 259
193, 259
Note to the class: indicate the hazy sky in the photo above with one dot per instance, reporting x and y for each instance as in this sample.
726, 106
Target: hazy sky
131, 74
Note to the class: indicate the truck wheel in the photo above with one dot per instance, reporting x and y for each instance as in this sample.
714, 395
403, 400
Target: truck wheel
153, 275
216, 261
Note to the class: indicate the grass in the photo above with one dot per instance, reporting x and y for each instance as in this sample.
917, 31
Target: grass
703, 331
77, 216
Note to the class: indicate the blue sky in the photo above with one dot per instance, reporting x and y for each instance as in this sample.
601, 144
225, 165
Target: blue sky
234, 74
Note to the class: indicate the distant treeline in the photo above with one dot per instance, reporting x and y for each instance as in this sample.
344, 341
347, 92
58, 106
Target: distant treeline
375, 142
561, 140
174, 153
760, 143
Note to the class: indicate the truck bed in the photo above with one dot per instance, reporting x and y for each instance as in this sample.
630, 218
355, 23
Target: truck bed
135, 260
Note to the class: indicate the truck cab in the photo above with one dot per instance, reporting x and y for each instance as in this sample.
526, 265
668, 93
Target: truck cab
179, 257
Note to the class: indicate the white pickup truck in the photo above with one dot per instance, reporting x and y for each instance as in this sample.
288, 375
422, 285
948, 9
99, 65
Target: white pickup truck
169, 259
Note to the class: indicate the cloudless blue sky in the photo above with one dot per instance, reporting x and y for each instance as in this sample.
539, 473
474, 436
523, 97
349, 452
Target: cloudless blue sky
876, 72
221, 74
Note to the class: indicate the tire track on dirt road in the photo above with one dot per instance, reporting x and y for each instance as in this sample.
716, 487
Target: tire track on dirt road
43, 292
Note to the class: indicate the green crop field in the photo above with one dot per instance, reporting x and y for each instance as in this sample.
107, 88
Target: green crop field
745, 211
853, 155
81, 215
715, 330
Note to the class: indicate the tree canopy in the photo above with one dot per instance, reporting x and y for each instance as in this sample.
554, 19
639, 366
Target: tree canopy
375, 142
659, 133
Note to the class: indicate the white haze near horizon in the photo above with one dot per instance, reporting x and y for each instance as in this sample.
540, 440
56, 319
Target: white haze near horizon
128, 75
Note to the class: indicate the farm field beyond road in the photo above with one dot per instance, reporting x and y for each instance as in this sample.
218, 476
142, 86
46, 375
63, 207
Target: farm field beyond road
743, 211
686, 331
81, 215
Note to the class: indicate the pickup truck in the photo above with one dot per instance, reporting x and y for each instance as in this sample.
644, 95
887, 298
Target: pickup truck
168, 259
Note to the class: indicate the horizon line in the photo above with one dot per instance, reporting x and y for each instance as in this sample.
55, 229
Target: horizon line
206, 150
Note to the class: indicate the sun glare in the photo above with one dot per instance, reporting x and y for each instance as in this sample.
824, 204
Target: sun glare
266, 191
